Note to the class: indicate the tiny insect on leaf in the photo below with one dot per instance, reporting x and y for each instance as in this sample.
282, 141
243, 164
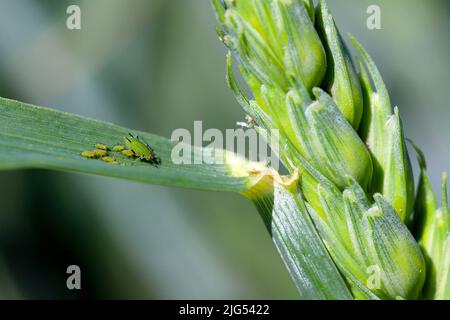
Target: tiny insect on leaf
141, 150
89, 154
101, 146
118, 148
128, 153
110, 160
100, 153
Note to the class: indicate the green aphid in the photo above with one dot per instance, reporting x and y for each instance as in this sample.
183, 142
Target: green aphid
110, 160
128, 153
141, 150
89, 154
101, 146
118, 148
100, 153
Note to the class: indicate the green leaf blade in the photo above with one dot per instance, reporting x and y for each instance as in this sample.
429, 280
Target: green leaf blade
36, 137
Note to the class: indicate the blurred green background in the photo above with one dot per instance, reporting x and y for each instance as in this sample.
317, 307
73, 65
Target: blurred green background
156, 66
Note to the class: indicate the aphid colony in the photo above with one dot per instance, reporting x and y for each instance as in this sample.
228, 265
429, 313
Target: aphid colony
134, 148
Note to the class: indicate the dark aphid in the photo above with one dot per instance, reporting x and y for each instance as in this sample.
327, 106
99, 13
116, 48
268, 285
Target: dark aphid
141, 150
